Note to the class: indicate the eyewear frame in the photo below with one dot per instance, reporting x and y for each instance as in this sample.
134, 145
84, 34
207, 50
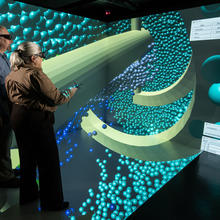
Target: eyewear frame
6, 36
41, 54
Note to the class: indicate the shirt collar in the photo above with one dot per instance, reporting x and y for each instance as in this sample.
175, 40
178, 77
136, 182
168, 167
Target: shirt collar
3, 54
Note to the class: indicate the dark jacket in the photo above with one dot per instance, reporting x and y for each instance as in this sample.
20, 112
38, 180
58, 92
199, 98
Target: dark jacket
4, 102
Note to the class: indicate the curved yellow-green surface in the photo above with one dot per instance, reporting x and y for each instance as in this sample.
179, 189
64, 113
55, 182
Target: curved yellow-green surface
94, 66
111, 55
170, 94
158, 147
152, 147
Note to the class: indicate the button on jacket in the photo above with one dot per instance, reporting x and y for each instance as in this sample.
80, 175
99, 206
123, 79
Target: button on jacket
30, 86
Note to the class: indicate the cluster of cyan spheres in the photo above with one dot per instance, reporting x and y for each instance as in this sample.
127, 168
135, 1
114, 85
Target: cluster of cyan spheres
146, 120
134, 181
56, 32
162, 65
136, 119
138, 73
172, 46
122, 194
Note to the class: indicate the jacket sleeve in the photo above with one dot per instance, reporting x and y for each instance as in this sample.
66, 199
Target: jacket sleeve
47, 90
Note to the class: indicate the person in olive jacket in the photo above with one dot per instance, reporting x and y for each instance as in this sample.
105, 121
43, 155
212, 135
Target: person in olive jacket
35, 99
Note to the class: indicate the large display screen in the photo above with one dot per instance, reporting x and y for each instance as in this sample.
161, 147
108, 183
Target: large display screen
139, 115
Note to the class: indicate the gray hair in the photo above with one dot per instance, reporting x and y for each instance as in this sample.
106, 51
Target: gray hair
23, 54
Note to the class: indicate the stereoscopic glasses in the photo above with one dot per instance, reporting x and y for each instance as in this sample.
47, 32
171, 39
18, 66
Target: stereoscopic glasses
6, 36
41, 54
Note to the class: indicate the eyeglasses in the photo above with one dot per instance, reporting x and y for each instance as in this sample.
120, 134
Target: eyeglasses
41, 54
6, 36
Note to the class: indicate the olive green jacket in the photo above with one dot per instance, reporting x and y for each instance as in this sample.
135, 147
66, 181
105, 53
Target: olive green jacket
30, 87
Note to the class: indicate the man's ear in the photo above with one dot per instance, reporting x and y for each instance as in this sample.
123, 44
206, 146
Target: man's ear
33, 58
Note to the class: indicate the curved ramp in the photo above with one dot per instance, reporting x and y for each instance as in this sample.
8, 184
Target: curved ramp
94, 65
170, 94
153, 147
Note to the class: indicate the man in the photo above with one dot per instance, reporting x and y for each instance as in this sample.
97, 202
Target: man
7, 176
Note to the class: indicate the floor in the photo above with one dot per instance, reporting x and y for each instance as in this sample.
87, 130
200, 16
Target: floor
193, 194
98, 183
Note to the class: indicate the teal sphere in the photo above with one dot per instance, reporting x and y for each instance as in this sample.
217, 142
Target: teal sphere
3, 19
44, 35
52, 33
49, 14
36, 36
59, 27
24, 21
16, 30
14, 46
4, 6
27, 32
23, 6
12, 19
34, 16
67, 27
47, 44
211, 10
211, 68
54, 43
50, 24
214, 93
64, 17
51, 52
14, 8
41, 23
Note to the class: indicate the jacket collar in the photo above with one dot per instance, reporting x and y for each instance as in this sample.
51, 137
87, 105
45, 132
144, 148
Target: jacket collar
29, 66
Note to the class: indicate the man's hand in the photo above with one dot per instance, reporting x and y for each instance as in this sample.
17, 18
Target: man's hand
74, 90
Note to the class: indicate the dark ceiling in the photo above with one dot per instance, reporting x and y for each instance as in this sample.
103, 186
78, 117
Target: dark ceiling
112, 10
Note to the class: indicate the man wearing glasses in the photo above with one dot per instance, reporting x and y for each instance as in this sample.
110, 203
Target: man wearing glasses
7, 176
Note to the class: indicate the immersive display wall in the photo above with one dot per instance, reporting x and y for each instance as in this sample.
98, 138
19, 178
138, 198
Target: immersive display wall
138, 118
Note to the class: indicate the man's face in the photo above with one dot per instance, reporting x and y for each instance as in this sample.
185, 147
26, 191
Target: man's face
5, 44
